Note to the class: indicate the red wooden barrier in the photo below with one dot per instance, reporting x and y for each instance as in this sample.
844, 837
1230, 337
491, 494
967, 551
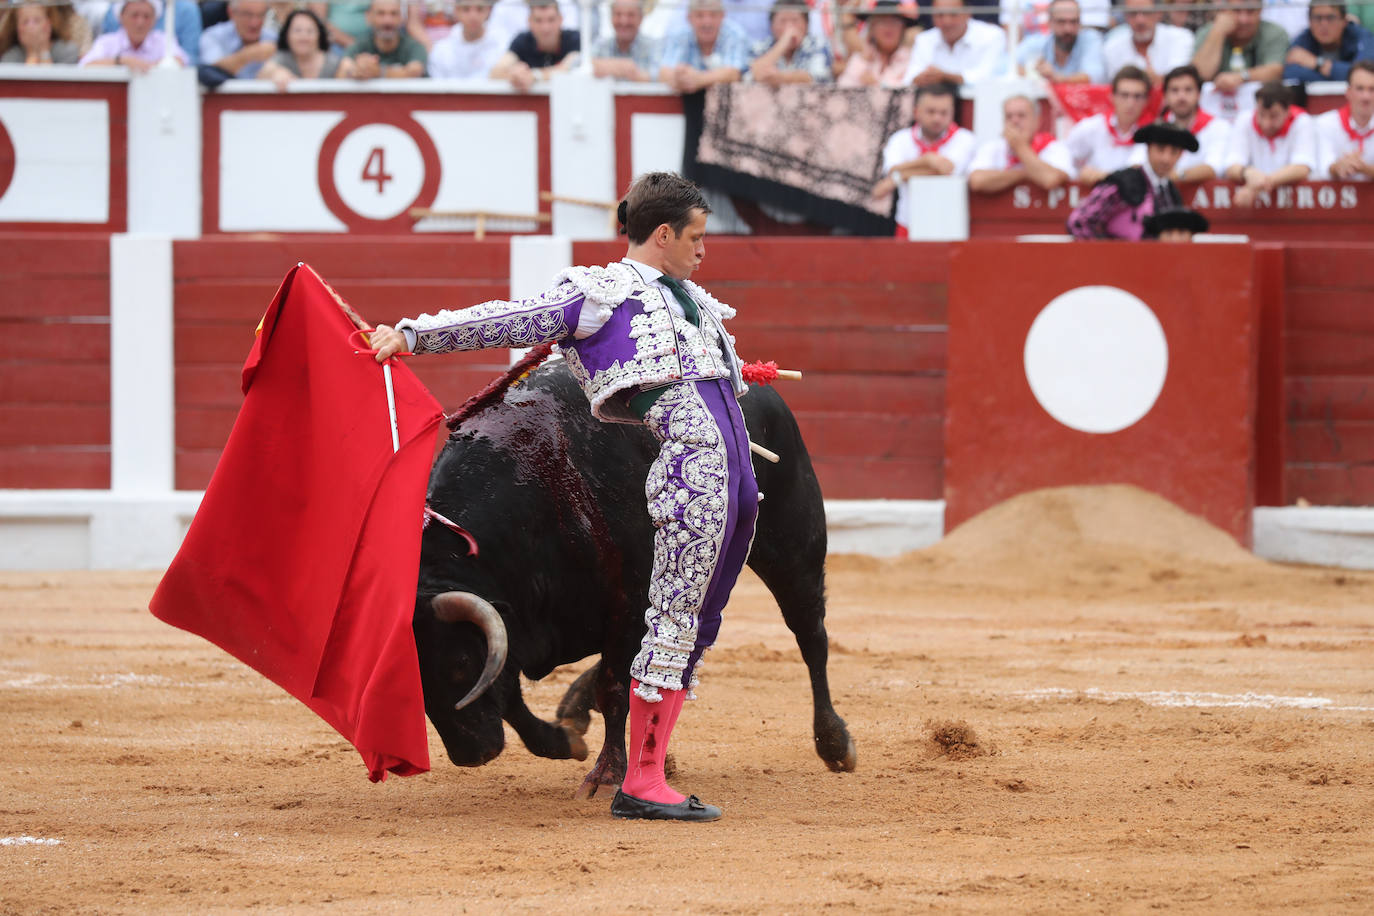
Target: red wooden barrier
1191, 440
1305, 212
1329, 374
224, 283
55, 373
865, 318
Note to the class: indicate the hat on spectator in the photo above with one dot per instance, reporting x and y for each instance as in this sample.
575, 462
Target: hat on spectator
1175, 218
1168, 135
902, 11
155, 4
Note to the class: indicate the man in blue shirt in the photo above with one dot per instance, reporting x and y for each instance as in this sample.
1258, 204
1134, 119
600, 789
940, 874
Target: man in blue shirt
1064, 54
1329, 45
711, 50
187, 25
237, 48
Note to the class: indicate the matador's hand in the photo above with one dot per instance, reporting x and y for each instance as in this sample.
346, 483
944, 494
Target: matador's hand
387, 342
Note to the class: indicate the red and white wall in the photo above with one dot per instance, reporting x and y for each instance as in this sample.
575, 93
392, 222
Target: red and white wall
922, 394
133, 307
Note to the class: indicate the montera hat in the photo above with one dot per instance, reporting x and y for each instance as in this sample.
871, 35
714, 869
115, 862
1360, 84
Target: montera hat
1166, 134
1175, 218
902, 11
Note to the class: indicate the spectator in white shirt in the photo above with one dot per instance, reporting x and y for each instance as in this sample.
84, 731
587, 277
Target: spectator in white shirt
1182, 89
1275, 147
1101, 144
1020, 154
934, 145
1346, 136
1147, 41
958, 50
471, 48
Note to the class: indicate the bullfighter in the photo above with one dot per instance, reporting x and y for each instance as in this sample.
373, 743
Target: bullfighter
1118, 205
647, 346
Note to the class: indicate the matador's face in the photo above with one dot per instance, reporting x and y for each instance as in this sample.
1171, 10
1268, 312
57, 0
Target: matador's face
684, 252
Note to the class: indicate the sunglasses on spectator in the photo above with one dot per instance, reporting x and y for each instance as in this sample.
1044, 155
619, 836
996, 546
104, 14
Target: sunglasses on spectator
1325, 17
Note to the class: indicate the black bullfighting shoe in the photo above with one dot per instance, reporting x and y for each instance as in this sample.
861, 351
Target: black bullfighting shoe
689, 809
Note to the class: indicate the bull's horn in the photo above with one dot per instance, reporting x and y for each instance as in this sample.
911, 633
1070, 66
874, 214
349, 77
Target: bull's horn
465, 607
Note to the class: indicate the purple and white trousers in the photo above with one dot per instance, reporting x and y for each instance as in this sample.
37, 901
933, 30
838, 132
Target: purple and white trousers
703, 501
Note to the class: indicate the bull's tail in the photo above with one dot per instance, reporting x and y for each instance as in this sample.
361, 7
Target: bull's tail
496, 388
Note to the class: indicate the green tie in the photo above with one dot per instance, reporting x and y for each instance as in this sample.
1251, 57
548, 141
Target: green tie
688, 306
641, 402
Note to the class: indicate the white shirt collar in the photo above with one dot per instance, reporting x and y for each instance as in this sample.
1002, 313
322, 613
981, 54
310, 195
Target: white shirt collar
961, 42
1156, 182
649, 274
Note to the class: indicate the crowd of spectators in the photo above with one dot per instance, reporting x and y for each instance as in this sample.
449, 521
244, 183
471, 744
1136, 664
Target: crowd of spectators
1239, 51
1232, 43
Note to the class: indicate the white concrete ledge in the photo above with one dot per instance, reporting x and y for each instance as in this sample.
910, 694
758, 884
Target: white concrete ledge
65, 74
92, 529
96, 529
422, 86
1323, 535
883, 527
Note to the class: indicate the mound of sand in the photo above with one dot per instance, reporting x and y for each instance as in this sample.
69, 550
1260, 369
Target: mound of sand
1101, 536
1101, 522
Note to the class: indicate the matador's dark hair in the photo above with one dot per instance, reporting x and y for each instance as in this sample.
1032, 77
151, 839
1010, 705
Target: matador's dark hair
656, 198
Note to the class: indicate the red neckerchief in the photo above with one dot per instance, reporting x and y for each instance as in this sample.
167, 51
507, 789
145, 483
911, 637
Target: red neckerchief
1200, 120
940, 141
1283, 131
1358, 136
1038, 143
1117, 138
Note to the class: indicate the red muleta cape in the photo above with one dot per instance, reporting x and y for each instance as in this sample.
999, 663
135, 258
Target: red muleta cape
303, 558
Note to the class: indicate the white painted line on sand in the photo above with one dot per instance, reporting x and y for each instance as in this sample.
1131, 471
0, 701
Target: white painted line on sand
1192, 698
28, 841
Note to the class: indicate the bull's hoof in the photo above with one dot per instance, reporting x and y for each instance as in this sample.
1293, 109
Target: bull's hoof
576, 725
845, 764
608, 771
577, 748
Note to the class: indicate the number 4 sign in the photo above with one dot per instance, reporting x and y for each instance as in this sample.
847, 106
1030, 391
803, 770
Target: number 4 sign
373, 172
375, 169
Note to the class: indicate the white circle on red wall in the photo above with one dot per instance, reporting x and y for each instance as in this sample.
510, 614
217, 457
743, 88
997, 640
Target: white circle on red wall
378, 171
1096, 358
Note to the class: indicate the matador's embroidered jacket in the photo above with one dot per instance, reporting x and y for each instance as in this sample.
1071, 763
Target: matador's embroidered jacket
617, 332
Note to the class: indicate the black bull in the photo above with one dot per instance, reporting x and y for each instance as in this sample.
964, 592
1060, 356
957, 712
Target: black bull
555, 500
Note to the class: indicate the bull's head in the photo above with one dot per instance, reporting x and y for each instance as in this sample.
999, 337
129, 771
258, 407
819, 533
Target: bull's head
457, 668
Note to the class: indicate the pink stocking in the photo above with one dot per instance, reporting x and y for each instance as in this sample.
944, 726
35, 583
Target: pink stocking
651, 725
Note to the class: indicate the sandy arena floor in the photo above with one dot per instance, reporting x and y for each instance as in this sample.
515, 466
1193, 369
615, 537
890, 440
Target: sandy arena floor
1133, 714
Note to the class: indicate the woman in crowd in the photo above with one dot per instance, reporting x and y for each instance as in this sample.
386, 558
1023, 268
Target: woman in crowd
304, 52
883, 57
38, 34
